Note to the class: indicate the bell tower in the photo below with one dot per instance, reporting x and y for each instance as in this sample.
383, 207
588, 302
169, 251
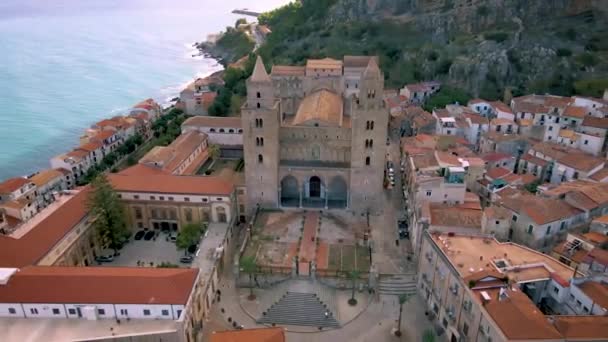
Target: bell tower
260, 122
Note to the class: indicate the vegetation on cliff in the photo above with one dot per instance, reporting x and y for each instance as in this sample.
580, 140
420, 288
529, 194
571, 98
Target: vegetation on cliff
484, 48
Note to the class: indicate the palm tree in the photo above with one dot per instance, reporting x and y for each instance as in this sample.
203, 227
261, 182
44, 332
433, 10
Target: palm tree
402, 299
248, 266
354, 274
428, 336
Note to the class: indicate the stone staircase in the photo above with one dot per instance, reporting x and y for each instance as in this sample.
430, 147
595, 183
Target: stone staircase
299, 308
397, 284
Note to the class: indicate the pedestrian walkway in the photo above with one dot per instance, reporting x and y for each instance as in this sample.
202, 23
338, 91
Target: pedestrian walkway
299, 308
308, 244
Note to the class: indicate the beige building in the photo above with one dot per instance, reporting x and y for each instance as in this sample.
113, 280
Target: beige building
478, 289
156, 200
314, 136
184, 156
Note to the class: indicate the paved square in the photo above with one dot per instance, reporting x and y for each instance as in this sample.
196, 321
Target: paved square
158, 251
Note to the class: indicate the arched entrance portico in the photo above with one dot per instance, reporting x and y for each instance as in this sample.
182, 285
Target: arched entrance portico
290, 194
337, 193
314, 193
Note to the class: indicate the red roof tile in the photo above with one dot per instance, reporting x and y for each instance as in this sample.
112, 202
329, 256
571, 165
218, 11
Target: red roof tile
13, 184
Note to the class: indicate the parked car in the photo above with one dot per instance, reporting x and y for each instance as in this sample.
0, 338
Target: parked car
140, 234
186, 259
404, 234
402, 224
172, 238
104, 258
149, 235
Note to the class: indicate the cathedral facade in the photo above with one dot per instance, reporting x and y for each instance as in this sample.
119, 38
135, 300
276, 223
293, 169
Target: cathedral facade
314, 136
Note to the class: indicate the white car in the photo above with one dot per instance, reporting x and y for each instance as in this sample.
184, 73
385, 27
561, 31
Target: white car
391, 170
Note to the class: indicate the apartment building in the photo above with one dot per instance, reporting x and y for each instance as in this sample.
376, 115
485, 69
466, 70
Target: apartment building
478, 289
587, 196
18, 199
539, 222
48, 182
576, 249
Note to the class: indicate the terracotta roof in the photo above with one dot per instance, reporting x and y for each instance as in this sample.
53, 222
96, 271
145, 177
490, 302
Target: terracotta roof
104, 135
495, 156
322, 105
596, 238
358, 61
592, 121
325, 63
424, 161
16, 204
598, 192
13, 184
287, 70
91, 146
602, 219
580, 161
575, 112
39, 240
45, 176
171, 157
497, 172
598, 292
455, 216
501, 106
485, 274
259, 73
249, 335
502, 121
519, 318
598, 255
108, 122
540, 210
553, 151
99, 285
476, 119
476, 101
591, 328
170, 184
568, 134
214, 121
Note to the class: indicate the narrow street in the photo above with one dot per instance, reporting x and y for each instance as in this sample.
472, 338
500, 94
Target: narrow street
389, 257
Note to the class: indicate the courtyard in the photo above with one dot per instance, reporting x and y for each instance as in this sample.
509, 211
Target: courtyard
334, 243
149, 253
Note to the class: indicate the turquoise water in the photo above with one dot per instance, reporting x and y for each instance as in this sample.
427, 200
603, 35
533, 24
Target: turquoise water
64, 64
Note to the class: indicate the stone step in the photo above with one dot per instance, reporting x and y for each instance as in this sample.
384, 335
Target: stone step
296, 308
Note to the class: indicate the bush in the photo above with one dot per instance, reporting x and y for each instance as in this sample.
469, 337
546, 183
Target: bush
591, 87
587, 59
447, 95
563, 52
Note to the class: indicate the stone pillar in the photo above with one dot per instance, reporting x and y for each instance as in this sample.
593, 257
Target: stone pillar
347, 199
279, 201
300, 192
326, 198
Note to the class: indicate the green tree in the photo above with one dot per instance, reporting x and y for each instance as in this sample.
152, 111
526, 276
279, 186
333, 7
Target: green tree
249, 266
214, 151
402, 299
188, 236
166, 264
108, 214
239, 22
447, 95
353, 275
428, 336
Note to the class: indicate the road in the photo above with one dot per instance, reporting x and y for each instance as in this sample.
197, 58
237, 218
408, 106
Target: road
387, 255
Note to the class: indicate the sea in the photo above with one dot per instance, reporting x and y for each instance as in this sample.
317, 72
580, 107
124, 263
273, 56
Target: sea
65, 64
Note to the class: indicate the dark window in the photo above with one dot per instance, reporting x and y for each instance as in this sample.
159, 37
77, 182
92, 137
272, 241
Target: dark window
187, 199
146, 312
12, 311
260, 158
367, 160
231, 131
465, 329
136, 196
258, 105
152, 198
212, 130
514, 218
34, 311
222, 130
179, 312
72, 311
165, 312
56, 312
101, 311
161, 198
258, 95
170, 198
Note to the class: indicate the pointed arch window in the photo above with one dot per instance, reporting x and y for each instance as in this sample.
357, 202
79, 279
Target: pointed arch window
260, 158
258, 95
367, 160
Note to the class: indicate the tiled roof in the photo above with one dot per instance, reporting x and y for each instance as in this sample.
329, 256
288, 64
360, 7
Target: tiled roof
13, 184
358, 61
455, 216
104, 135
598, 292
325, 63
213, 121
597, 192
322, 105
170, 184
592, 121
592, 328
99, 285
249, 335
171, 157
534, 160
540, 210
497, 172
495, 156
287, 70
501, 106
502, 121
91, 146
575, 112
259, 73
45, 176
580, 161
31, 247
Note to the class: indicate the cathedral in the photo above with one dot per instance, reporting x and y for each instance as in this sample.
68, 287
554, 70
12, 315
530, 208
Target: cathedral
314, 136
